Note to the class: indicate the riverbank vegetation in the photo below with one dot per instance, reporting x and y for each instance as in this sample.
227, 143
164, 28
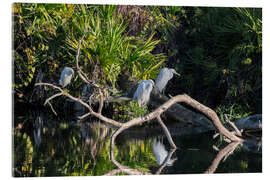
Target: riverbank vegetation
217, 51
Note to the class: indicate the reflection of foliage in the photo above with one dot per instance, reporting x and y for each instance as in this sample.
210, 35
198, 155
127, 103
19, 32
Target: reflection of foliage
65, 152
23, 157
137, 155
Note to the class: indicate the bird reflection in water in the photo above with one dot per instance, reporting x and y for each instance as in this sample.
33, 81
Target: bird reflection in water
161, 153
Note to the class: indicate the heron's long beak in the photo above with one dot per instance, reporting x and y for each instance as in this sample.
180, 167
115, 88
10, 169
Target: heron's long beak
177, 74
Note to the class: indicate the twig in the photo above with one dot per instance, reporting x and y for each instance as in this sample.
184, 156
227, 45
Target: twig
52, 109
79, 70
216, 135
227, 140
48, 84
238, 133
215, 148
101, 102
85, 115
93, 113
52, 97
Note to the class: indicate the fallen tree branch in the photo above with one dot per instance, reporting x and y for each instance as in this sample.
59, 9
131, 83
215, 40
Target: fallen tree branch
135, 121
188, 100
213, 116
155, 114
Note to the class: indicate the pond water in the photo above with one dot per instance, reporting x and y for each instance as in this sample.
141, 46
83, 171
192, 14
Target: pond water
45, 145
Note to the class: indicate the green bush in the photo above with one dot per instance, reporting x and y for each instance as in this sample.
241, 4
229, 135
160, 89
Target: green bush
46, 37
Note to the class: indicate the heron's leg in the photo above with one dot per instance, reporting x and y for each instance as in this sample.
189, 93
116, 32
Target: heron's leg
167, 132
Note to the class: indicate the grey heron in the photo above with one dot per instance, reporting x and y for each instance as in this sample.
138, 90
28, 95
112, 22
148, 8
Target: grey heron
66, 76
164, 76
142, 94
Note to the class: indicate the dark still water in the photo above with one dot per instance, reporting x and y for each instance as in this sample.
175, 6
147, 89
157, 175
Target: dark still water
44, 145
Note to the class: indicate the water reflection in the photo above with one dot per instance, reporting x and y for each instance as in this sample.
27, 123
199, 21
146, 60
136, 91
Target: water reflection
161, 153
37, 130
253, 145
224, 153
50, 146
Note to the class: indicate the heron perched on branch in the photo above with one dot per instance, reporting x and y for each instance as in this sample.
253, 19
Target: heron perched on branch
142, 94
66, 76
164, 76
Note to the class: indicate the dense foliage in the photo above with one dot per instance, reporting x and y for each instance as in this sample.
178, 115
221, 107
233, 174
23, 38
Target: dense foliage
218, 51
46, 37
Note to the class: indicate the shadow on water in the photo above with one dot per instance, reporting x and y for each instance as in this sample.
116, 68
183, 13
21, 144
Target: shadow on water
44, 145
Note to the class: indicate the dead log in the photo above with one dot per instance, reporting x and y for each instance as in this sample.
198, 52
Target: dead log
179, 113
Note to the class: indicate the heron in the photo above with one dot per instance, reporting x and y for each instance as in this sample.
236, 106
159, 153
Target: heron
66, 76
142, 94
161, 153
164, 76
